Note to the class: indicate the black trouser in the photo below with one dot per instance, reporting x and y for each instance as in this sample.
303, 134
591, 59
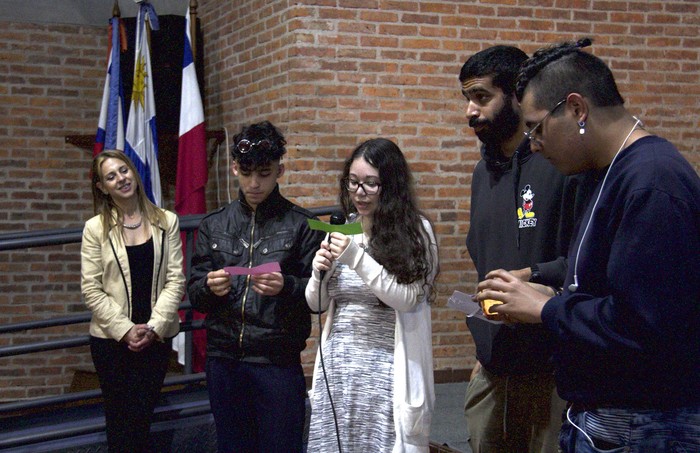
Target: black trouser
131, 384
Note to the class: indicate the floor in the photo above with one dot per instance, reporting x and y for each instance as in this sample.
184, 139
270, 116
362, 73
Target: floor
449, 425
196, 434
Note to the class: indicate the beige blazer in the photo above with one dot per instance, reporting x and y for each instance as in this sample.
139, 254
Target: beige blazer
106, 279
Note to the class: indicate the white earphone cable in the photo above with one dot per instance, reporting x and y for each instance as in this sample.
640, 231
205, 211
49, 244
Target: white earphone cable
568, 417
574, 286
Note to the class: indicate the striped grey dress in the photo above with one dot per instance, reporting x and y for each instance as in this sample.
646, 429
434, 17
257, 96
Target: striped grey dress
359, 361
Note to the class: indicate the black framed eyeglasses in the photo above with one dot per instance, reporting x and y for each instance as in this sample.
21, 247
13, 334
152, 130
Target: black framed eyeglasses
370, 187
531, 134
245, 145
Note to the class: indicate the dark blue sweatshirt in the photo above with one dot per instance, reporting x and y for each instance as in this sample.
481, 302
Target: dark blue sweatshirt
629, 337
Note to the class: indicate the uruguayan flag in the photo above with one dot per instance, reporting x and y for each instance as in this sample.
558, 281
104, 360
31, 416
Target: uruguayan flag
141, 138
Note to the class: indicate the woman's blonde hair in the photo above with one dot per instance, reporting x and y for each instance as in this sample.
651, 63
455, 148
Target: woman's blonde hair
104, 205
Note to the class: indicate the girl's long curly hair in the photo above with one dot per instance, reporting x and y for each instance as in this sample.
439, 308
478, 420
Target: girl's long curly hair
103, 204
398, 239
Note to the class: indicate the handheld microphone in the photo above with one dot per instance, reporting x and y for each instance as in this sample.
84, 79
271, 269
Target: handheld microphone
337, 218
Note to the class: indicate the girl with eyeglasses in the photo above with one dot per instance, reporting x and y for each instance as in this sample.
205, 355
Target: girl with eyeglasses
376, 345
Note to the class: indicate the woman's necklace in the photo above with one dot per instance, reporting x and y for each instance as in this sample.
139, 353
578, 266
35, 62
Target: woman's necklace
133, 226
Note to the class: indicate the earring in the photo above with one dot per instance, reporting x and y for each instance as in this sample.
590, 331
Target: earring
582, 126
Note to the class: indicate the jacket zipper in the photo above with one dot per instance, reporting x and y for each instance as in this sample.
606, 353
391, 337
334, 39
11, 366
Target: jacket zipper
247, 283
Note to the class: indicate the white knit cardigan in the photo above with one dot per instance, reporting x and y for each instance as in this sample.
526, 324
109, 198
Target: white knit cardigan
414, 392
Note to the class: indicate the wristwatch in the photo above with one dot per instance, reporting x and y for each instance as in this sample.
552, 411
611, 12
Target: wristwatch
536, 277
535, 274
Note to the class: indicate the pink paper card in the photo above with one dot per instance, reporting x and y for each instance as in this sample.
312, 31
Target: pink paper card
261, 269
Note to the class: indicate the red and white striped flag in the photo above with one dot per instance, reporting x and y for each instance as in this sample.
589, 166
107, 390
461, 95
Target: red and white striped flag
192, 170
192, 174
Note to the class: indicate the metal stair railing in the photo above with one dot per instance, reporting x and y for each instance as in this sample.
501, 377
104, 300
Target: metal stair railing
43, 238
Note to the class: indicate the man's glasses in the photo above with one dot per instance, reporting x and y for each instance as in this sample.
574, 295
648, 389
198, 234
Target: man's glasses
532, 133
370, 187
245, 145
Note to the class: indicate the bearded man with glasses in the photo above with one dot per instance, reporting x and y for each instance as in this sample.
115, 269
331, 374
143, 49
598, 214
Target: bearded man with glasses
522, 215
258, 323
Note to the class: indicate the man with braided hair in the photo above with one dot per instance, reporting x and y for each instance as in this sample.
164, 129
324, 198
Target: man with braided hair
627, 323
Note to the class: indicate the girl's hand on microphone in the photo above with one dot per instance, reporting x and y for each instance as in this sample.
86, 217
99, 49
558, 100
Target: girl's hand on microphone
323, 259
338, 243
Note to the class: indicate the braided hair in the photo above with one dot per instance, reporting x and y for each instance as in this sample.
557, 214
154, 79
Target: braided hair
554, 72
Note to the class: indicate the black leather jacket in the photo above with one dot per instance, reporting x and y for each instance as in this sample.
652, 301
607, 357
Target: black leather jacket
244, 325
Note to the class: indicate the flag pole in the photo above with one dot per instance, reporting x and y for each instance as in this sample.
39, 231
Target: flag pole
193, 28
148, 33
116, 12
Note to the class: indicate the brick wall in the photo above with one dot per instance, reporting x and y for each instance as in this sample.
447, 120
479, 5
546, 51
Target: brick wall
333, 73
329, 73
51, 81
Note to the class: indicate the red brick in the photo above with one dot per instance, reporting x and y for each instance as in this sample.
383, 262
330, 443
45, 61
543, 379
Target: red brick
329, 75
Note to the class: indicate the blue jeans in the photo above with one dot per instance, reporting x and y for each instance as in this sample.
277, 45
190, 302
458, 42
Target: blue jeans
650, 431
257, 407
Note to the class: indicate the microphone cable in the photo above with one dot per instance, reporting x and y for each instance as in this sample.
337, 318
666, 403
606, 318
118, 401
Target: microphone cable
337, 218
323, 366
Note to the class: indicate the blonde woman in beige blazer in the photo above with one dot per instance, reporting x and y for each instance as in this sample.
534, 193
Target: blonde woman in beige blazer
132, 281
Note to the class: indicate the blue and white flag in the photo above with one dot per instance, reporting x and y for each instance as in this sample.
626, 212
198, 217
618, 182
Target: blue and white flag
110, 126
141, 137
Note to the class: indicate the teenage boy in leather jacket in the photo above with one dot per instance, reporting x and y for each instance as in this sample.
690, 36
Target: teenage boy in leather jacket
257, 324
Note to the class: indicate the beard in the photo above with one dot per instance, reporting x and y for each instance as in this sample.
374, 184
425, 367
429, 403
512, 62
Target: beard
501, 128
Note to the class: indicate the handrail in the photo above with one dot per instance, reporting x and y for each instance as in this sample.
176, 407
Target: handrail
44, 323
60, 321
73, 342
66, 398
38, 238
40, 346
162, 414
43, 238
27, 239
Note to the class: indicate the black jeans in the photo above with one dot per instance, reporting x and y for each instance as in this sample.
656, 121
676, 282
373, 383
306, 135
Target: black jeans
131, 384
